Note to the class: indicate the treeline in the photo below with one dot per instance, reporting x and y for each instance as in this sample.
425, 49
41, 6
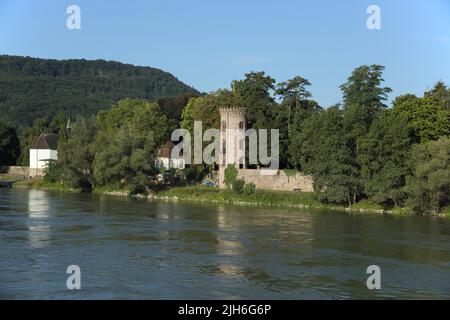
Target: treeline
33, 88
15, 144
357, 150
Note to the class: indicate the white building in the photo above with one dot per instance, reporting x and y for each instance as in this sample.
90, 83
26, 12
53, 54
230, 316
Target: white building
164, 159
43, 150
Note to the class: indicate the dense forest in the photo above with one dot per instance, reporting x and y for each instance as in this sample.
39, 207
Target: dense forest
358, 150
32, 88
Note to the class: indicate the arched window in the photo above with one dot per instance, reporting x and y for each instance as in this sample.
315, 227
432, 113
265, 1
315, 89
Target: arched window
224, 126
241, 125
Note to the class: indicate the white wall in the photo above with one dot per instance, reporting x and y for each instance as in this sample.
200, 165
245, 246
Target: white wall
38, 155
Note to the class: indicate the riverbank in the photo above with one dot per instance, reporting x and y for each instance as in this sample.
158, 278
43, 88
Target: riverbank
264, 198
225, 196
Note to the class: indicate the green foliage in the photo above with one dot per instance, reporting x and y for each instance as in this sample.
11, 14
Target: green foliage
429, 186
76, 155
440, 95
53, 172
238, 186
194, 173
363, 88
249, 189
429, 119
255, 94
32, 88
327, 157
290, 172
231, 174
173, 106
384, 158
41, 125
9, 145
129, 134
206, 110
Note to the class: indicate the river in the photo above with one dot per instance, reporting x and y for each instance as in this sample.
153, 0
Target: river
134, 249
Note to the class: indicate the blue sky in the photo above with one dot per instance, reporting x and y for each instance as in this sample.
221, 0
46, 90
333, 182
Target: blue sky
207, 44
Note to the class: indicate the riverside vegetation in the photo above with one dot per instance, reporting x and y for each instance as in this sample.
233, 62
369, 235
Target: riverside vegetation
361, 153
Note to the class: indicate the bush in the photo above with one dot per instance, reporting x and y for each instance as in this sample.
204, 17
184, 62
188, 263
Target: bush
194, 174
52, 172
231, 174
249, 189
238, 186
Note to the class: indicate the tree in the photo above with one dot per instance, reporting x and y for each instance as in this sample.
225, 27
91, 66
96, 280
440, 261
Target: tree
363, 99
255, 94
32, 88
129, 134
76, 155
294, 95
27, 137
173, 106
9, 145
440, 95
326, 156
429, 186
384, 158
430, 120
206, 110
292, 145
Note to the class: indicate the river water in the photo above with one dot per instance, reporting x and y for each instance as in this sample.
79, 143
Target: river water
134, 249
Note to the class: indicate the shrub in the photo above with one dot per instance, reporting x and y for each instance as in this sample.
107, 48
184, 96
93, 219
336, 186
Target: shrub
194, 174
249, 189
52, 172
231, 174
238, 186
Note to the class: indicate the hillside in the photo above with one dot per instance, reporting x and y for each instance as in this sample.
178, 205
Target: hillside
32, 88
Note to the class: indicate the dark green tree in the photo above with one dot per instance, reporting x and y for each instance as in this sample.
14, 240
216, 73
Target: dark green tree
129, 134
384, 158
76, 155
429, 186
9, 145
255, 94
326, 156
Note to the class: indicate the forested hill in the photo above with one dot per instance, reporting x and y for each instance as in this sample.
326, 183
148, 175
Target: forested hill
31, 88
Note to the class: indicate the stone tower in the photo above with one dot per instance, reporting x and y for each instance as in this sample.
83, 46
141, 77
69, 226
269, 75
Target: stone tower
232, 137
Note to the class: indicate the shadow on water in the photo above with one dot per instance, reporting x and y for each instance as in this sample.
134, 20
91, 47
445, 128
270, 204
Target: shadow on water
138, 249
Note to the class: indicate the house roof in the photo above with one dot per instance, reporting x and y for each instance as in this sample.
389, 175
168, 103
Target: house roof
165, 150
46, 141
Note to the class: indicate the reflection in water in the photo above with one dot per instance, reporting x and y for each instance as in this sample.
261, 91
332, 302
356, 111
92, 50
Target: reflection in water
139, 249
38, 213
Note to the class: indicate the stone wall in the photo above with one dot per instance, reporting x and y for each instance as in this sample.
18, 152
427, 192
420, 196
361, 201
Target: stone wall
272, 180
15, 170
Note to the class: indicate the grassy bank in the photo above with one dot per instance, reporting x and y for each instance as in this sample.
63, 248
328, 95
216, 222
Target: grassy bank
261, 197
42, 184
215, 195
